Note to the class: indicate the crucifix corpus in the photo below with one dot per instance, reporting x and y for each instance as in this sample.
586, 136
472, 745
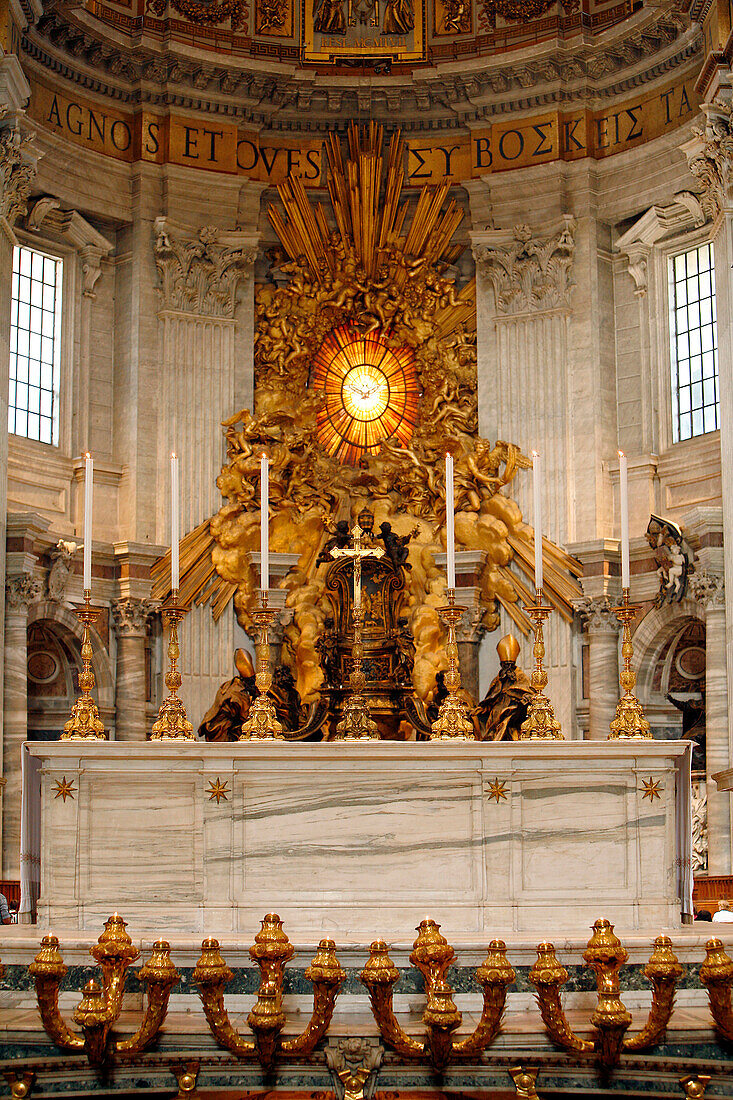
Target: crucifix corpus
356, 722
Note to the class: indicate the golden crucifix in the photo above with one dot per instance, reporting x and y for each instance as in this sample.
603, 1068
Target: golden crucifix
356, 722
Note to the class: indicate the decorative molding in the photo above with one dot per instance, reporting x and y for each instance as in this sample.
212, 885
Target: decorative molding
18, 161
660, 222
130, 616
200, 272
90, 245
529, 274
21, 592
597, 613
708, 589
354, 1064
710, 156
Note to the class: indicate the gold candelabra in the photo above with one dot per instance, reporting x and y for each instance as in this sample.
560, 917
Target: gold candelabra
172, 723
356, 722
540, 723
262, 722
85, 723
629, 722
454, 720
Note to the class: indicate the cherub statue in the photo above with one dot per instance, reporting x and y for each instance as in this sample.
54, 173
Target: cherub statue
340, 539
397, 546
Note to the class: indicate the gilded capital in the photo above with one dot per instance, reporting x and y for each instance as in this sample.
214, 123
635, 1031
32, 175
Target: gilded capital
130, 616
708, 589
200, 272
529, 274
21, 591
597, 614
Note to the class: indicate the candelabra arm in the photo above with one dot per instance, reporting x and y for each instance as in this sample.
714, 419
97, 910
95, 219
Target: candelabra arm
271, 951
441, 1018
211, 975
327, 976
548, 976
159, 975
95, 1018
380, 976
716, 974
663, 971
47, 971
495, 975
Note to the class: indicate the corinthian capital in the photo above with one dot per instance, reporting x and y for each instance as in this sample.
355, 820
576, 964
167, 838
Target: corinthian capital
17, 171
597, 614
200, 272
528, 273
130, 616
710, 157
21, 591
708, 589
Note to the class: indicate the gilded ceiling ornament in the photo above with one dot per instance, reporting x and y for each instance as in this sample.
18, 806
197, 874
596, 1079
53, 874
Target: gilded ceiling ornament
518, 11
204, 14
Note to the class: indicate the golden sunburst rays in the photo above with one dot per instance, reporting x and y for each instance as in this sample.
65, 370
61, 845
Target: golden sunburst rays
369, 211
372, 393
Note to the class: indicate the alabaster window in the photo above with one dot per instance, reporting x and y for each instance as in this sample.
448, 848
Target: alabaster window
35, 345
694, 338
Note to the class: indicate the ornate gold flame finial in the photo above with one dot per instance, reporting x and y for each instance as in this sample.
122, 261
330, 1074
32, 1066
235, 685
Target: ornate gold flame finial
172, 723
540, 723
694, 1087
20, 1083
356, 722
262, 722
629, 721
186, 1075
454, 720
85, 723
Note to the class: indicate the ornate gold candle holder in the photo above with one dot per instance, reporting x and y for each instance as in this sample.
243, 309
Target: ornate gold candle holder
85, 723
453, 721
172, 723
356, 722
629, 722
540, 723
262, 723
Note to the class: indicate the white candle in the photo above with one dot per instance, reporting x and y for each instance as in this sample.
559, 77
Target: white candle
623, 470
264, 524
88, 495
537, 488
450, 521
175, 526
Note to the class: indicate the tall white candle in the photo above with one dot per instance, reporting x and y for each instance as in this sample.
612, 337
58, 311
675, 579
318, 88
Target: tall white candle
88, 496
537, 517
175, 526
450, 521
264, 524
623, 469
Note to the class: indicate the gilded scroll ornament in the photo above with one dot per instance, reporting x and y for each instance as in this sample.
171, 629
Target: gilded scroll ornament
203, 14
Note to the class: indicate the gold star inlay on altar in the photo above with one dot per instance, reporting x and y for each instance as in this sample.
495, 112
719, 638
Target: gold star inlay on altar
498, 789
218, 790
652, 787
65, 788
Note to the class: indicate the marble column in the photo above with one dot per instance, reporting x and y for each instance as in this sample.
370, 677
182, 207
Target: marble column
130, 618
708, 589
20, 592
602, 629
199, 301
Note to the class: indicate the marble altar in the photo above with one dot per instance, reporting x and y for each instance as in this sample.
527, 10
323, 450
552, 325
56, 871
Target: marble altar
362, 840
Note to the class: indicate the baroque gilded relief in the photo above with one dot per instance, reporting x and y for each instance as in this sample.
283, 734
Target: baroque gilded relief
365, 376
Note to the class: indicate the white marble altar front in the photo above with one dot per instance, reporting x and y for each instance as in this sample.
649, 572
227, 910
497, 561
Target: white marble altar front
361, 840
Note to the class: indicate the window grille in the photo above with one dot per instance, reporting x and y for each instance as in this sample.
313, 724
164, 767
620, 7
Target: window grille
35, 346
695, 402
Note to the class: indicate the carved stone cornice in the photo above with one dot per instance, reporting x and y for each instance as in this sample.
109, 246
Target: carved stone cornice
597, 614
708, 589
529, 274
20, 593
200, 272
130, 616
688, 211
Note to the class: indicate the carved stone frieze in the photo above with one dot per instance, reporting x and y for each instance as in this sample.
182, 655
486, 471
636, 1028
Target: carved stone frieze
597, 613
200, 274
529, 274
708, 589
20, 592
130, 616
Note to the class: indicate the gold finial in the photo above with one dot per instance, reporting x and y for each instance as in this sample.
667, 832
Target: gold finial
540, 723
262, 723
629, 722
172, 723
85, 723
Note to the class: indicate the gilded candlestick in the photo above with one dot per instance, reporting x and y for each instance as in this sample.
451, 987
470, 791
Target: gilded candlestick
172, 723
540, 723
629, 722
85, 723
356, 722
454, 720
262, 723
